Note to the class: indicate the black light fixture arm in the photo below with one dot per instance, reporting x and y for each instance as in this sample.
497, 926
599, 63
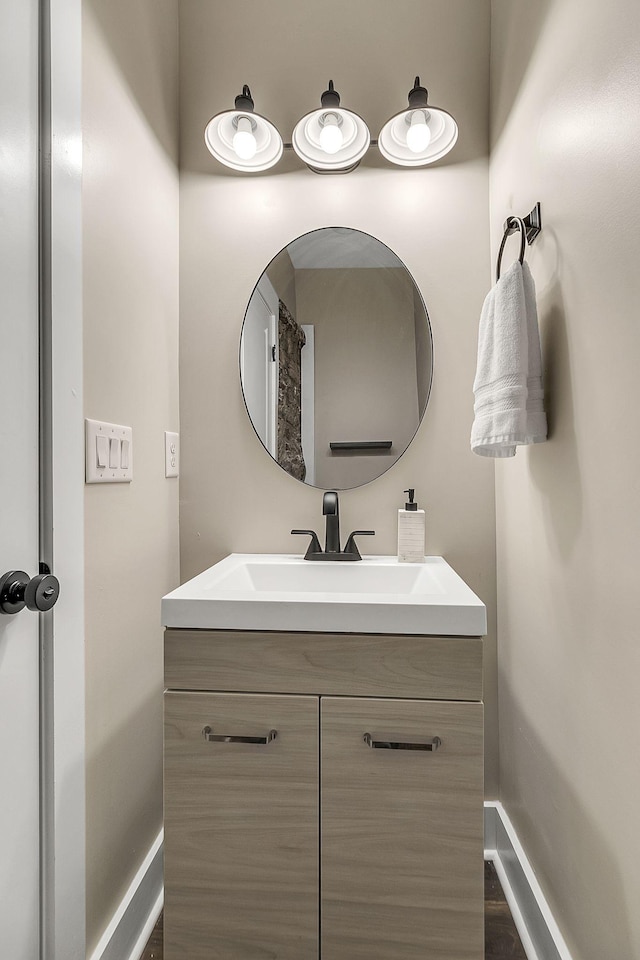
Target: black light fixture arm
244, 100
330, 97
418, 95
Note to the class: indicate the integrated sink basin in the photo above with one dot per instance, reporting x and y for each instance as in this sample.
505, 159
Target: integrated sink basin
283, 592
259, 576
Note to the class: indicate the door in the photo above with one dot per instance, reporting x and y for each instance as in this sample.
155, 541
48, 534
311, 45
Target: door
41, 679
241, 827
402, 830
19, 640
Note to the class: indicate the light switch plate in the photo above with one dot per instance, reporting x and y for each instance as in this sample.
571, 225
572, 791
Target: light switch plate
104, 445
171, 454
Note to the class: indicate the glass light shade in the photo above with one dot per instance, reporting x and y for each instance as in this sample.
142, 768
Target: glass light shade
309, 133
396, 140
228, 137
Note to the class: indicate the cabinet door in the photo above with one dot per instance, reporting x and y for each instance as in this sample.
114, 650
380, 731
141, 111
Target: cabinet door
402, 830
241, 827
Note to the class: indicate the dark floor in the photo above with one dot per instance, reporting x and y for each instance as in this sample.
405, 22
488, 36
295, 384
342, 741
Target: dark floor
501, 940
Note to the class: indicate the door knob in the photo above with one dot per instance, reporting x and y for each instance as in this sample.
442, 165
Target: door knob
19, 590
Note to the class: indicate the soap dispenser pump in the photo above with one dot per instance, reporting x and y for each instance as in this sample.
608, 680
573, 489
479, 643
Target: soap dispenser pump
411, 531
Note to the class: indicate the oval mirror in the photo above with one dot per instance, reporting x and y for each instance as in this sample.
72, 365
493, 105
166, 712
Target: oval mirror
336, 358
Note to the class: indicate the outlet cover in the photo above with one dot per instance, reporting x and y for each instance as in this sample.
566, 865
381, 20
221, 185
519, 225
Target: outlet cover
171, 454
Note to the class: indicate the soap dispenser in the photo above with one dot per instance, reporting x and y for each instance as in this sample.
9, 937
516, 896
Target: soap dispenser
411, 531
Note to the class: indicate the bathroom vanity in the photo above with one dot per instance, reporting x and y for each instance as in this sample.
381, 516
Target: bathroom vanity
323, 787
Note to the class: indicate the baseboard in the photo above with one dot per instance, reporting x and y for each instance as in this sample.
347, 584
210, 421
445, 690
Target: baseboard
130, 927
539, 932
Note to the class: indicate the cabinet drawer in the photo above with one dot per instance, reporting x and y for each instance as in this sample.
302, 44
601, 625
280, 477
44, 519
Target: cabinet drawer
241, 827
443, 668
402, 831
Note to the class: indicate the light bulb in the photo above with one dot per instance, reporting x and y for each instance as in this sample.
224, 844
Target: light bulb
331, 138
244, 142
418, 134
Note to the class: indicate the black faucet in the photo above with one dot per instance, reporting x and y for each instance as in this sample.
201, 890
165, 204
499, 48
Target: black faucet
332, 536
331, 511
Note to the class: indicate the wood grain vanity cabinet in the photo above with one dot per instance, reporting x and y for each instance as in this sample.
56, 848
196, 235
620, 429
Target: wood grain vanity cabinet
323, 823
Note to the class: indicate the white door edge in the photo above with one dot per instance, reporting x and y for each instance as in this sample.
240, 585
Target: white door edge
308, 400
267, 292
62, 670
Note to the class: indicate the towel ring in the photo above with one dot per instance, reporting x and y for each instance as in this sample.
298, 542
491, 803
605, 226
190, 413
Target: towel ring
512, 224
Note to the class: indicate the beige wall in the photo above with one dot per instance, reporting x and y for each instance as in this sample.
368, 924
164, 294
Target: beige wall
365, 366
233, 496
565, 131
130, 201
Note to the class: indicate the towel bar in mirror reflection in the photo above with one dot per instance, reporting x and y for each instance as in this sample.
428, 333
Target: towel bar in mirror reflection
355, 446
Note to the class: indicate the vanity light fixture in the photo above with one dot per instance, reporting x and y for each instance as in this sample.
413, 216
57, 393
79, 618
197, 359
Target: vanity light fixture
331, 139
242, 139
419, 135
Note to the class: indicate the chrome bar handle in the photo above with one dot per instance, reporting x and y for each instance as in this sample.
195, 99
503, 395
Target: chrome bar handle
433, 743
212, 737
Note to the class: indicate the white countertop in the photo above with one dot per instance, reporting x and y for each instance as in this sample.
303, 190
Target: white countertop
284, 592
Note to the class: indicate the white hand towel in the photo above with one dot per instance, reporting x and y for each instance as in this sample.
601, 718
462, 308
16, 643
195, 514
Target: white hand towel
536, 430
508, 385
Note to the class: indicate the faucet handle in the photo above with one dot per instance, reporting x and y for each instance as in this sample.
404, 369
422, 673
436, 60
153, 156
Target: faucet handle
351, 546
314, 545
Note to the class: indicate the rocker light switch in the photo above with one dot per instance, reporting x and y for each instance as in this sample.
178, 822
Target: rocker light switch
102, 451
109, 452
114, 453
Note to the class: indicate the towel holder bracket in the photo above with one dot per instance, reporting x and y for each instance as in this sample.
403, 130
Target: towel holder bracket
532, 224
528, 227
